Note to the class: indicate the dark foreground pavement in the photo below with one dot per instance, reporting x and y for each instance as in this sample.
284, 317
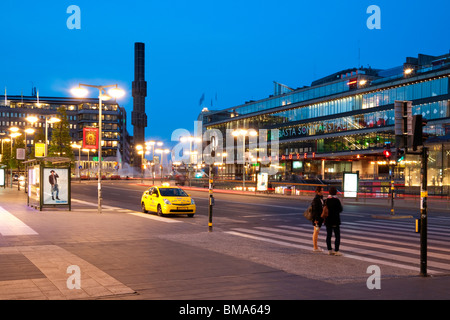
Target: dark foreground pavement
126, 255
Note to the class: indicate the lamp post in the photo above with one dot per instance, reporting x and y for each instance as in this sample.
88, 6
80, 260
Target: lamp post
243, 133
13, 135
140, 150
162, 152
26, 131
77, 146
88, 163
48, 119
114, 92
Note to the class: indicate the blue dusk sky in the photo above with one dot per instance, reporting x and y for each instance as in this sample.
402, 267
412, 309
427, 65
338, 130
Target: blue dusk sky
231, 51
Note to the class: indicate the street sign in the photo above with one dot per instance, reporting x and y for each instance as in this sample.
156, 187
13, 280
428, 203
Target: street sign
351, 184
39, 150
20, 154
2, 177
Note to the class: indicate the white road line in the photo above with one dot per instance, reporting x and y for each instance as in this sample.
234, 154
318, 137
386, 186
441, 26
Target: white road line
12, 226
351, 256
132, 212
153, 217
354, 246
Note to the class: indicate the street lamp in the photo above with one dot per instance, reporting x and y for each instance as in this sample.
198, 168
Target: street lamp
88, 163
243, 133
114, 92
48, 119
162, 152
141, 152
191, 139
151, 145
77, 146
13, 135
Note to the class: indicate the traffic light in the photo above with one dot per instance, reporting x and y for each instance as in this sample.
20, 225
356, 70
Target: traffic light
400, 155
403, 122
387, 151
419, 136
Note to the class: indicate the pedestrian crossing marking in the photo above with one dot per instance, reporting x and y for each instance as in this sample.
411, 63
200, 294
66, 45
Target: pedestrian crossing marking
390, 243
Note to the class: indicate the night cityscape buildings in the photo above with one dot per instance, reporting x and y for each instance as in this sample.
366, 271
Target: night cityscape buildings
81, 113
343, 122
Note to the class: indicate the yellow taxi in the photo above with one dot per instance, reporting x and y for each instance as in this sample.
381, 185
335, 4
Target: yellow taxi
167, 200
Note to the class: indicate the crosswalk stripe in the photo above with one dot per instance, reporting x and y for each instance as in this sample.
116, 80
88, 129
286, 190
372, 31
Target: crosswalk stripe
351, 256
363, 241
431, 231
377, 235
353, 239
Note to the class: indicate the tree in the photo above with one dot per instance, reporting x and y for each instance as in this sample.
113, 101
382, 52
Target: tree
6, 154
60, 143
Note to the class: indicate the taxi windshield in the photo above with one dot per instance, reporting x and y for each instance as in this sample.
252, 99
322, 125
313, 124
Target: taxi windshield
172, 192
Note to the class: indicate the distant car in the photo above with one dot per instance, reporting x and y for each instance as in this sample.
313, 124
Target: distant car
180, 180
167, 200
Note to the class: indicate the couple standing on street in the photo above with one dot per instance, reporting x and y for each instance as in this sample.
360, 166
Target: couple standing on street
332, 221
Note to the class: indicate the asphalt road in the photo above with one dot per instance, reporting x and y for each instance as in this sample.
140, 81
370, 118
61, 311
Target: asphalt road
231, 210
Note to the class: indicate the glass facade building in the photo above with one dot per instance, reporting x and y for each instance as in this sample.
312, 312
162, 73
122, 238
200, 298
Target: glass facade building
344, 121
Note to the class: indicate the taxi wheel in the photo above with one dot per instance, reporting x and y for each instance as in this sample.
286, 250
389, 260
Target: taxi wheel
159, 211
143, 208
190, 215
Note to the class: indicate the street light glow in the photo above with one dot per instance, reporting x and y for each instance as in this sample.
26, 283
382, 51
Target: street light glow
32, 119
116, 93
54, 120
79, 92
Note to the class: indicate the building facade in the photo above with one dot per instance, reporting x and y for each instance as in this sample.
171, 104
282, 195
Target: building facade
343, 122
81, 113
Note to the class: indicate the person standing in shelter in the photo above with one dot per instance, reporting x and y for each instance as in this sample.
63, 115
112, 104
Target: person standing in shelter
333, 221
317, 206
53, 180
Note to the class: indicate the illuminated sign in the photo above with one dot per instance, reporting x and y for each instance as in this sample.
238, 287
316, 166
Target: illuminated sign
90, 138
39, 150
2, 177
351, 182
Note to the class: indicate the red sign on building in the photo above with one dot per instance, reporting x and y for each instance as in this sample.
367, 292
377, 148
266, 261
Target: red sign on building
90, 138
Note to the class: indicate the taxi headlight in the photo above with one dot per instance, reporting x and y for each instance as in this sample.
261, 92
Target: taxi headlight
192, 201
166, 201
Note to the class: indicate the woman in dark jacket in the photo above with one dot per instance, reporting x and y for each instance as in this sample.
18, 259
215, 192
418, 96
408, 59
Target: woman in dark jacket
317, 206
333, 221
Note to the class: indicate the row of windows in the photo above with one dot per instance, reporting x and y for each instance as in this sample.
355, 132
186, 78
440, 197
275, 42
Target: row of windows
416, 91
105, 126
309, 94
94, 117
420, 90
94, 106
410, 92
24, 115
47, 106
29, 125
430, 111
374, 140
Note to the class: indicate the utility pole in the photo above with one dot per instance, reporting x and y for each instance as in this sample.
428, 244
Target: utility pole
410, 135
211, 184
423, 213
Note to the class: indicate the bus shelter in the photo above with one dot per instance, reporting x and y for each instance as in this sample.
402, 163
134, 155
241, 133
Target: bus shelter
48, 183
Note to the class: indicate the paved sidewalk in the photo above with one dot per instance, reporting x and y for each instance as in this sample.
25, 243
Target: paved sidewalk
122, 256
